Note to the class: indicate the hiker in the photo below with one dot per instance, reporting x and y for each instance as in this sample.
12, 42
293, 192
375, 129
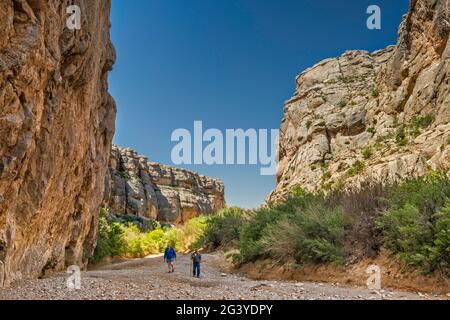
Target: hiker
196, 258
170, 256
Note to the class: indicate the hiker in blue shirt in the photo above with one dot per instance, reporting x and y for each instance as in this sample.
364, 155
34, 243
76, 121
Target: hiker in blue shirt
170, 256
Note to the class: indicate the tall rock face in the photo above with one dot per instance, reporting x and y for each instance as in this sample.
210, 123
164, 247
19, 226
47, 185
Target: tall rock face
56, 126
381, 116
153, 191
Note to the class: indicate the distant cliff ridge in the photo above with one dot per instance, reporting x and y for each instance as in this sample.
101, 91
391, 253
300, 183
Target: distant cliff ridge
150, 190
381, 116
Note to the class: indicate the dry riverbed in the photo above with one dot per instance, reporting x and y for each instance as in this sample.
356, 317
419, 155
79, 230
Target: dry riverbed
147, 278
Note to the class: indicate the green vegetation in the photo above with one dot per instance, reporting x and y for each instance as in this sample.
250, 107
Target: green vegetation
375, 93
125, 175
413, 129
325, 176
251, 245
312, 234
308, 124
324, 165
347, 79
411, 220
404, 132
357, 168
118, 240
400, 136
419, 123
416, 225
110, 239
367, 152
342, 104
222, 229
371, 130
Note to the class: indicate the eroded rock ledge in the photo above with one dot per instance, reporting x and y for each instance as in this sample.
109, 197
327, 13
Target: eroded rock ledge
150, 190
381, 116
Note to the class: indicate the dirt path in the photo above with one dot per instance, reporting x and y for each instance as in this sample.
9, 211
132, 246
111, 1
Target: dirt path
148, 279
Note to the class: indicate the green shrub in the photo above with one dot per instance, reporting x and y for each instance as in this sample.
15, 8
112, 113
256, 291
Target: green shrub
400, 137
312, 235
428, 193
326, 176
440, 251
375, 93
416, 225
419, 123
223, 228
110, 242
250, 246
423, 122
367, 153
371, 130
125, 175
357, 168
308, 124
346, 79
191, 232
118, 240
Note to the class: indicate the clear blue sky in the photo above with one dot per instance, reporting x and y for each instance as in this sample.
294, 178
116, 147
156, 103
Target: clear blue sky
229, 63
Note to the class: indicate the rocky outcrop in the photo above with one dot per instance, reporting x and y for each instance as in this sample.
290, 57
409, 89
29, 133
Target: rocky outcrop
381, 116
153, 191
56, 127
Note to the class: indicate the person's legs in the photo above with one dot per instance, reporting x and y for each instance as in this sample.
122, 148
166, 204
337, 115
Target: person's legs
197, 270
170, 266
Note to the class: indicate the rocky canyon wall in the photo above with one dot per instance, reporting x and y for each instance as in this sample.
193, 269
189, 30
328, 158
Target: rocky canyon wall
381, 116
137, 187
56, 126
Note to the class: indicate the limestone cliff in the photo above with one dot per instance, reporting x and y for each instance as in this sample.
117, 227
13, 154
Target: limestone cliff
381, 116
56, 127
150, 190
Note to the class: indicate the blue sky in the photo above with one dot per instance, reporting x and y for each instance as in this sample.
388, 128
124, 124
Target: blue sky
229, 63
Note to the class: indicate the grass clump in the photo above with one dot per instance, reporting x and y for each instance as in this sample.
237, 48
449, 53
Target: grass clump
342, 104
401, 138
346, 79
357, 168
375, 93
419, 123
367, 153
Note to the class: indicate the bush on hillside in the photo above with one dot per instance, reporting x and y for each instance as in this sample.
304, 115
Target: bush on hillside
222, 229
416, 225
250, 246
312, 235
